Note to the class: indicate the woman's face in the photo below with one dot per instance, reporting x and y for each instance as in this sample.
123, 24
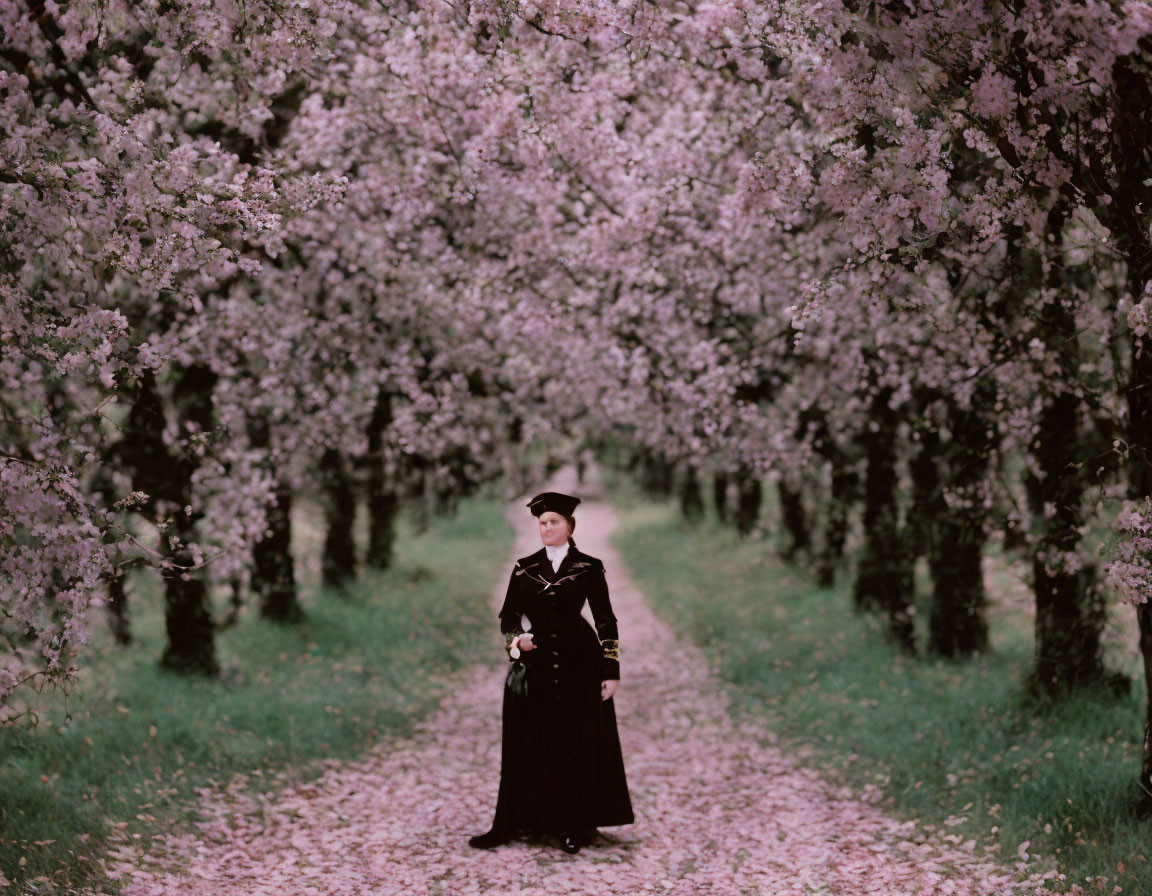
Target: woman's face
554, 529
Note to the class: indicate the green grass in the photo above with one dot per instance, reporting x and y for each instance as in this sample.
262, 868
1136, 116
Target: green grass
944, 740
363, 666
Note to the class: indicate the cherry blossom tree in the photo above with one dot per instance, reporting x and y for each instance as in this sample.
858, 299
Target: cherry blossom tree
135, 202
882, 258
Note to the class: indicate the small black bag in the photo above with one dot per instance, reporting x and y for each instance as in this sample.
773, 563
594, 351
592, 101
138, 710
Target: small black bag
517, 680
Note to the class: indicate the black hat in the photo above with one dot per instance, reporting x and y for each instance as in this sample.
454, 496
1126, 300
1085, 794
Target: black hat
553, 502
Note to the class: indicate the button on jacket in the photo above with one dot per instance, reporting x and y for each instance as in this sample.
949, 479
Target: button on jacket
569, 652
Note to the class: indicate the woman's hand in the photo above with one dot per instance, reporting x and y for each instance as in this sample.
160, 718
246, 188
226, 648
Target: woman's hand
608, 688
524, 642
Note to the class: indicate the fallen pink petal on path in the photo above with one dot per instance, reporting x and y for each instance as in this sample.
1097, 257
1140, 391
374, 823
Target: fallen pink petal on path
720, 811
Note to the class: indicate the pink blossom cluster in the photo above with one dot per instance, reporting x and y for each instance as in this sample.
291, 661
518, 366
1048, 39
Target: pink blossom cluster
715, 231
53, 562
1130, 569
124, 219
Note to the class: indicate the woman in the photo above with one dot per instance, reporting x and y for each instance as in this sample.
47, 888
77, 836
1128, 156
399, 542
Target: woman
561, 771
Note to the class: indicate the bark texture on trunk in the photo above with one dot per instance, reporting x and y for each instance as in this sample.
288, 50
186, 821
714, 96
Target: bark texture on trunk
188, 622
338, 562
273, 572
1144, 625
188, 613
884, 581
720, 500
1069, 612
844, 487
1132, 210
691, 497
656, 474
115, 580
927, 504
843, 492
958, 624
383, 497
794, 519
749, 499
165, 475
117, 606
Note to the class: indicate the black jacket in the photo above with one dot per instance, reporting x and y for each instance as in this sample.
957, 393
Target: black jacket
568, 650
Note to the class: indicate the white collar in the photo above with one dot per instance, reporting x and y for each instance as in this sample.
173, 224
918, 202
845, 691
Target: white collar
557, 552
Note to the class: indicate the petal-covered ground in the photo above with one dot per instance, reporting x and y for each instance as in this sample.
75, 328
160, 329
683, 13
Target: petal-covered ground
719, 811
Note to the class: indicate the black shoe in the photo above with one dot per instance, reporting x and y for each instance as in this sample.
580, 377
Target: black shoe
569, 844
487, 841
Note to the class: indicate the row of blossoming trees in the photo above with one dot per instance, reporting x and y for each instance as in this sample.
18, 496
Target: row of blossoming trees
891, 257
239, 260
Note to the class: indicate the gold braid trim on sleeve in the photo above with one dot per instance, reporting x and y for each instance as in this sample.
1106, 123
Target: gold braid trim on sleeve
611, 649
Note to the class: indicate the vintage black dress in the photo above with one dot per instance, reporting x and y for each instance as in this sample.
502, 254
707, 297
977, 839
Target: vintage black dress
561, 770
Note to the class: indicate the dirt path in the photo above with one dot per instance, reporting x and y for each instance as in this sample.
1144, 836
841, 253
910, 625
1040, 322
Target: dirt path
718, 811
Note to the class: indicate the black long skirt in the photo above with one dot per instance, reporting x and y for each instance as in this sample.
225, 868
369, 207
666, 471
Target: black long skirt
561, 769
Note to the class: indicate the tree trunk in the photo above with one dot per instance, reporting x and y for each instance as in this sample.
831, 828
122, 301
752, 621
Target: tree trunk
1144, 625
338, 563
794, 518
1132, 211
446, 495
582, 459
383, 508
656, 474
166, 477
188, 614
720, 497
273, 575
188, 620
117, 604
691, 498
415, 500
1139, 487
1069, 613
383, 499
884, 579
843, 494
749, 498
928, 505
958, 625
235, 603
